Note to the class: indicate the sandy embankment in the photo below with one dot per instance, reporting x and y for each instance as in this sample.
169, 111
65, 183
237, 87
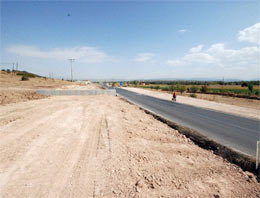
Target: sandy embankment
102, 146
232, 109
13, 90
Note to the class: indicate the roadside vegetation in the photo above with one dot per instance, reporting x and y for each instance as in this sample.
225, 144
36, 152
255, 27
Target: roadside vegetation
27, 74
24, 74
236, 88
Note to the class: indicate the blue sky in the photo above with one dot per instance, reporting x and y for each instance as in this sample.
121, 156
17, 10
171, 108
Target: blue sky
116, 39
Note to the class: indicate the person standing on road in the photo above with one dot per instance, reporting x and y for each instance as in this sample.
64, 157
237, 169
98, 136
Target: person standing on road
174, 96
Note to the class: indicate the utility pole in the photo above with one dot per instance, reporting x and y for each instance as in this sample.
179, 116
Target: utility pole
71, 60
16, 66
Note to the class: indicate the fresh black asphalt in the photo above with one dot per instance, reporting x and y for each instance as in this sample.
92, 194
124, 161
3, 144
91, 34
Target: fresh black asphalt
233, 131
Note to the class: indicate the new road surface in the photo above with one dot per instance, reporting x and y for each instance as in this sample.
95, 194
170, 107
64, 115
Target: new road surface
233, 131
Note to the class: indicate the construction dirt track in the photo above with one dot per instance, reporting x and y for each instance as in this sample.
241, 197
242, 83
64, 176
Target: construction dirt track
102, 146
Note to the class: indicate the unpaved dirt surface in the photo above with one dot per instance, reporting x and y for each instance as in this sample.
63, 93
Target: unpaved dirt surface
13, 90
7, 96
102, 146
227, 108
241, 102
10, 81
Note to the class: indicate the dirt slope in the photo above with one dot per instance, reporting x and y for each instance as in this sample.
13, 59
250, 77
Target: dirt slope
101, 146
13, 90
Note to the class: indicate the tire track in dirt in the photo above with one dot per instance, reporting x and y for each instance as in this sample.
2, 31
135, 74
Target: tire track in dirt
100, 146
19, 138
83, 182
41, 149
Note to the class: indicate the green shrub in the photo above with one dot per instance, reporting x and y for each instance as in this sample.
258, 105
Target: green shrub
216, 91
3, 69
165, 88
194, 89
27, 74
8, 71
182, 89
24, 78
244, 84
177, 87
193, 95
251, 88
204, 89
171, 88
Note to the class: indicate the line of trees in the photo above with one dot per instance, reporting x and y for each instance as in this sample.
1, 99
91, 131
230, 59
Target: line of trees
189, 82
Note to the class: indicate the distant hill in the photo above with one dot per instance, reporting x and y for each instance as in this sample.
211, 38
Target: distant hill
22, 73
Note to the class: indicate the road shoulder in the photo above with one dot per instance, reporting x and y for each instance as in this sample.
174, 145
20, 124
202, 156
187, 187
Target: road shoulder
226, 108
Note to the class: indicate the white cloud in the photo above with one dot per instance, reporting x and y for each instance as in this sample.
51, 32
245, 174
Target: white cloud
250, 34
83, 54
218, 55
174, 62
182, 30
218, 60
196, 49
144, 57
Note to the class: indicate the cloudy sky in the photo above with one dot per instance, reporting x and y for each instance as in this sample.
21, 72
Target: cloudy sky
131, 40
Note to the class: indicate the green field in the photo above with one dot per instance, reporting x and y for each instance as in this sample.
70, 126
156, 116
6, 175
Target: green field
217, 89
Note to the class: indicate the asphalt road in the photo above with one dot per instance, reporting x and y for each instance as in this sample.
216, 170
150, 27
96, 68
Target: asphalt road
233, 131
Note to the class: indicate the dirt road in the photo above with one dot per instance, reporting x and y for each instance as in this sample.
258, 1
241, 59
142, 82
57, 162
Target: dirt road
101, 146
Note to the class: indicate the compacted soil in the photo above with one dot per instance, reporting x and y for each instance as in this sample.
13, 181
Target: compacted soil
13, 89
102, 146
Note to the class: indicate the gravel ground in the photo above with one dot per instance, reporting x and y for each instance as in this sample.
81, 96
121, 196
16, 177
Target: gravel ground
102, 146
227, 108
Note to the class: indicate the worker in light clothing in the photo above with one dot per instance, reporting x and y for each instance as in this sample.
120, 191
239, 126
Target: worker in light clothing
174, 96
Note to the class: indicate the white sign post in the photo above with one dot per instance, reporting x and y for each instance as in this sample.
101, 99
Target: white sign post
257, 153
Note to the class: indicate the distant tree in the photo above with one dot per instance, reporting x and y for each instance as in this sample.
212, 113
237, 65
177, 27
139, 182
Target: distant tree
204, 89
251, 88
194, 89
244, 84
135, 83
156, 87
182, 89
171, 88
177, 87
